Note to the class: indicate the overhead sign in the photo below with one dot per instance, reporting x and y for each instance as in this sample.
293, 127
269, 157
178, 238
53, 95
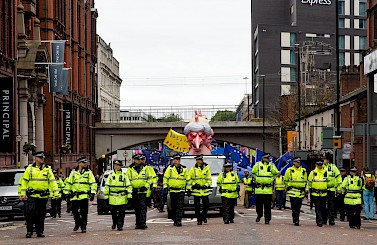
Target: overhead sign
317, 2
6, 114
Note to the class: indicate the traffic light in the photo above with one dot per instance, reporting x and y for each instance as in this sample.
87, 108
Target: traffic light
337, 142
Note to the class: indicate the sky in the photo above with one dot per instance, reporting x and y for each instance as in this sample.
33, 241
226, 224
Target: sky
179, 52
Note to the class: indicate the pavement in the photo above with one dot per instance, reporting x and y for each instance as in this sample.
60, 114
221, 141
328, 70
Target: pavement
5, 224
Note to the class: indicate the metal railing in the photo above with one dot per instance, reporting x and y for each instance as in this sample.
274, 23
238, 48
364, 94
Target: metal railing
139, 114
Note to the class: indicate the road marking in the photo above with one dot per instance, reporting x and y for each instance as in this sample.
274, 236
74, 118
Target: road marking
370, 235
230, 229
208, 230
6, 236
163, 232
118, 233
345, 234
167, 221
241, 222
341, 227
282, 224
73, 235
322, 233
185, 231
95, 234
277, 230
253, 229
50, 235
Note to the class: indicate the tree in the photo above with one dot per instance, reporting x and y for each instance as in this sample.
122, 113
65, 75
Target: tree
171, 118
224, 116
151, 118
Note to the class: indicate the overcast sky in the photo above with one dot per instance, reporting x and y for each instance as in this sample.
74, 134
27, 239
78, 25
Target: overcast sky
179, 52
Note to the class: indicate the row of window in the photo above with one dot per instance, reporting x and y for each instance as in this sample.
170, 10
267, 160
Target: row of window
131, 118
358, 23
360, 43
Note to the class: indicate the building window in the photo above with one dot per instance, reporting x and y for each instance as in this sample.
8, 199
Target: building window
292, 74
293, 39
341, 42
362, 9
292, 57
341, 7
341, 23
362, 43
342, 58
362, 24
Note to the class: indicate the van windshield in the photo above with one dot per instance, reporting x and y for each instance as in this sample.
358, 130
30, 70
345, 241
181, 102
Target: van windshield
216, 164
10, 178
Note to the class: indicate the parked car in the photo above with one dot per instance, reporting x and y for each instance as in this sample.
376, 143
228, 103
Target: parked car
216, 163
103, 206
10, 204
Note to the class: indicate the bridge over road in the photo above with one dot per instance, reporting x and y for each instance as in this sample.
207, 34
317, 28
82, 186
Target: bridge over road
111, 137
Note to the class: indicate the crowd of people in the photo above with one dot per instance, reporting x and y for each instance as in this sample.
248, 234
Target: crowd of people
330, 189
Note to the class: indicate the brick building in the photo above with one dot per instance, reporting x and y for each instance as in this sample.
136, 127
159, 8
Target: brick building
7, 82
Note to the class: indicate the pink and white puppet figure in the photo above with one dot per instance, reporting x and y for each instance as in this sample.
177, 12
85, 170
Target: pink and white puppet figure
199, 135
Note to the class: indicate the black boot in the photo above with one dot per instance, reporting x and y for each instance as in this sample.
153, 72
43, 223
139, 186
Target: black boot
76, 228
40, 235
29, 234
179, 223
113, 227
83, 229
205, 220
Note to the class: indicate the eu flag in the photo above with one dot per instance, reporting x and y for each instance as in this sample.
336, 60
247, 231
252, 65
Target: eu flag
152, 156
236, 156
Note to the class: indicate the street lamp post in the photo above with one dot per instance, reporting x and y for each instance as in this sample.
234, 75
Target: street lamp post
299, 93
111, 150
248, 103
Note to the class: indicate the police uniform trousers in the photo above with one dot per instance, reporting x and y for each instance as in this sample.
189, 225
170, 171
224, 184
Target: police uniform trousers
117, 213
80, 212
177, 200
139, 203
320, 209
56, 207
341, 206
35, 213
200, 216
296, 203
330, 215
228, 208
354, 218
264, 201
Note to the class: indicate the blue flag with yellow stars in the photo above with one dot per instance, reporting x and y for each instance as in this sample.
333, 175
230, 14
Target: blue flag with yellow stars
152, 156
236, 156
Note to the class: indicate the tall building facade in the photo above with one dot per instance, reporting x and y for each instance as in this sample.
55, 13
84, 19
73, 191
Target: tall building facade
109, 82
287, 30
8, 118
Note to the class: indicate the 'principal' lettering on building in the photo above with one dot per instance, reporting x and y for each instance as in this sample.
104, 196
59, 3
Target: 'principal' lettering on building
5, 113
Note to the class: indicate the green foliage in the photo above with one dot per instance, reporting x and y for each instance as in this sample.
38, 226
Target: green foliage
224, 116
171, 118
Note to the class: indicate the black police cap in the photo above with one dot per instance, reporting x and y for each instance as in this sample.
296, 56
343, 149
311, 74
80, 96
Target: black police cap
82, 159
296, 159
266, 155
118, 162
39, 154
200, 157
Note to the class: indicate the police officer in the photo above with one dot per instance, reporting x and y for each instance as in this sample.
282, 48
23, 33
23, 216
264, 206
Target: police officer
228, 181
352, 186
200, 182
340, 198
264, 173
248, 182
279, 186
118, 191
81, 187
176, 178
56, 204
140, 179
37, 184
317, 184
333, 187
296, 178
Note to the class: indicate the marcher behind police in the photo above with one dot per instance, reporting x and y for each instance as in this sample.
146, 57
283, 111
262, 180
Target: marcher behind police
56, 204
118, 191
228, 181
37, 185
200, 182
81, 187
264, 173
248, 182
176, 179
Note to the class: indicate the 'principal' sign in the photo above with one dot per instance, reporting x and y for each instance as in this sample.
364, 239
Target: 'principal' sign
6, 115
317, 2
67, 124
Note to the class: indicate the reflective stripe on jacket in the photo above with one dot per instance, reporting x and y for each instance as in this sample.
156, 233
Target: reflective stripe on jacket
317, 182
279, 183
81, 184
264, 173
333, 176
139, 180
352, 187
174, 181
228, 184
118, 188
248, 183
295, 181
38, 182
201, 178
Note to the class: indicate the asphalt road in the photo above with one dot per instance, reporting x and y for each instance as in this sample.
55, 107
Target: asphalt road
161, 231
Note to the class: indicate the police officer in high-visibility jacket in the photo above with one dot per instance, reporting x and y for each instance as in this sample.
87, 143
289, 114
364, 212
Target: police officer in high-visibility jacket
264, 173
333, 187
118, 191
317, 184
81, 187
227, 181
248, 182
140, 179
200, 182
56, 204
296, 179
37, 185
176, 178
279, 186
352, 187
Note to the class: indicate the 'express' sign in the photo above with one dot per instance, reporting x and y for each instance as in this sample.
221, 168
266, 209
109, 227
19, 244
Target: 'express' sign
314, 2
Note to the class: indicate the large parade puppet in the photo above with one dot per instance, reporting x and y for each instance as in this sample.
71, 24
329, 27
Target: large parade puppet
199, 135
